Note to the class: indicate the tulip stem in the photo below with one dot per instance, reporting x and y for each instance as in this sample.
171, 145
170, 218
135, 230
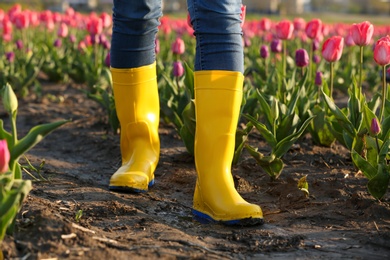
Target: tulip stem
331, 79
311, 62
377, 144
361, 72
384, 93
284, 58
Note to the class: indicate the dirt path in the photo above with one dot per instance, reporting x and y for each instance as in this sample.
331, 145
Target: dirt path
338, 220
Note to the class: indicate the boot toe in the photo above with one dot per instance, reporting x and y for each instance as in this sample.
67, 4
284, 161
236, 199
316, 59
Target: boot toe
133, 182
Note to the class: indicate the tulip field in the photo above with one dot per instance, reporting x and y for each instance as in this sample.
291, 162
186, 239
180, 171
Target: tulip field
312, 144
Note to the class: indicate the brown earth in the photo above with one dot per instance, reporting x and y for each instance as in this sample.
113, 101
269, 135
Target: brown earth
338, 220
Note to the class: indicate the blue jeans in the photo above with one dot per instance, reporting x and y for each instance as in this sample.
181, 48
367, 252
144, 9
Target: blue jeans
216, 27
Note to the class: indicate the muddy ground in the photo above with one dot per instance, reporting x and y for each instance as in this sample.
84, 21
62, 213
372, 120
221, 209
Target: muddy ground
73, 215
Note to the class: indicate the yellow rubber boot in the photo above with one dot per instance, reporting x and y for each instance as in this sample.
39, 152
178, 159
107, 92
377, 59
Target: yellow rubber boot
218, 96
138, 109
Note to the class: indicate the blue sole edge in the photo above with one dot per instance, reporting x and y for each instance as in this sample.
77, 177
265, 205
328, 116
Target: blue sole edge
206, 219
128, 189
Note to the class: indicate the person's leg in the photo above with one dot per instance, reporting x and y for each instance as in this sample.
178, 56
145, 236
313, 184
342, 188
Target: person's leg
134, 31
218, 96
135, 91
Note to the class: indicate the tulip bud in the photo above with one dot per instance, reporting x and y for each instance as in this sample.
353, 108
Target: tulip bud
276, 46
10, 56
375, 128
301, 58
264, 52
19, 44
107, 60
4, 156
10, 102
316, 58
57, 43
318, 79
157, 45
316, 44
178, 69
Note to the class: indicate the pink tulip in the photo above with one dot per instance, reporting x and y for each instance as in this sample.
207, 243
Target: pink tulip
7, 26
349, 40
313, 28
178, 46
362, 33
382, 51
299, 23
157, 45
333, 48
4, 156
265, 24
63, 30
94, 24
178, 69
284, 29
375, 128
106, 20
22, 20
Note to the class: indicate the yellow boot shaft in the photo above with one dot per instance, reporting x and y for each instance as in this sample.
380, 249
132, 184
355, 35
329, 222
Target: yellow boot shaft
137, 107
218, 96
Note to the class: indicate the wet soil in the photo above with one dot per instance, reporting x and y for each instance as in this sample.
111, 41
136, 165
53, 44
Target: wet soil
73, 215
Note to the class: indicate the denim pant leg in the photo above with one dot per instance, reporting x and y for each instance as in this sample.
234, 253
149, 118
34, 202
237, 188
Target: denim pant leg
218, 32
135, 24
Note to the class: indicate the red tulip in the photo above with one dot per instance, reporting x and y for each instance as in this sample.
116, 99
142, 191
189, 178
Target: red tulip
362, 33
313, 28
4, 156
382, 51
284, 29
333, 48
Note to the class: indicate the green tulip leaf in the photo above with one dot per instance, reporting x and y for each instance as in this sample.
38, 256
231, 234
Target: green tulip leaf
367, 169
340, 116
377, 186
189, 79
284, 145
266, 109
34, 136
268, 136
270, 164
